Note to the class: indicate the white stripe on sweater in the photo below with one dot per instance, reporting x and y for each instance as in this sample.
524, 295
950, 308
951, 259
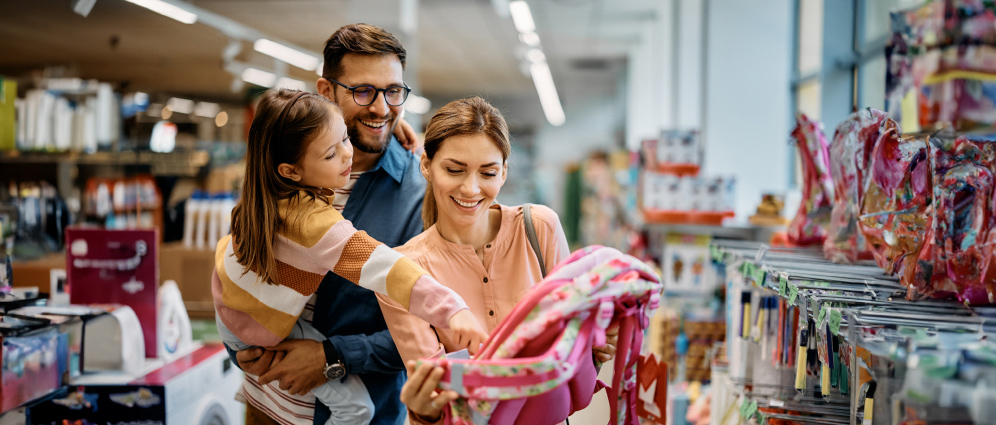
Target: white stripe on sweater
373, 275
277, 297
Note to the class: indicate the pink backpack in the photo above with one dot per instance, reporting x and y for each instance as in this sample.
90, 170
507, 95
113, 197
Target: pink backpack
810, 222
850, 152
537, 366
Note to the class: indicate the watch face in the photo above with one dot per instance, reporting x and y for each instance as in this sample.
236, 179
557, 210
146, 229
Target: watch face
335, 371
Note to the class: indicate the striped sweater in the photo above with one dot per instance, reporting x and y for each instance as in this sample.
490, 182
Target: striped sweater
314, 240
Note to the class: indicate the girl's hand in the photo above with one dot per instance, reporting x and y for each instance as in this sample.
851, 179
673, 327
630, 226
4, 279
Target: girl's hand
467, 331
420, 395
605, 354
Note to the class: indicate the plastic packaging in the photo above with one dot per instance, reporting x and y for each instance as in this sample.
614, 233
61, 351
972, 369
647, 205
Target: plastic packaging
811, 220
850, 152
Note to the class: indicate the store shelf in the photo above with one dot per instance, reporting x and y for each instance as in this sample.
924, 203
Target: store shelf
173, 163
857, 308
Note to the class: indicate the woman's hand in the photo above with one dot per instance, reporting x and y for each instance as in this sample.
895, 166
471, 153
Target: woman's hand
467, 332
605, 353
420, 395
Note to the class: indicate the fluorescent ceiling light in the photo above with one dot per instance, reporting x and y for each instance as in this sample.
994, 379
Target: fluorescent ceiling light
521, 17
292, 56
531, 39
535, 55
547, 93
290, 83
259, 78
180, 105
221, 119
167, 9
206, 109
417, 104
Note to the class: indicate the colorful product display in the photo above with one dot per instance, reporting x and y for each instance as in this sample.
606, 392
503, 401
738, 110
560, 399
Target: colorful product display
850, 152
813, 217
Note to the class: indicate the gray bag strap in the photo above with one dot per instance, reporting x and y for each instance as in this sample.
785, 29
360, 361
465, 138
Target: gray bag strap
531, 234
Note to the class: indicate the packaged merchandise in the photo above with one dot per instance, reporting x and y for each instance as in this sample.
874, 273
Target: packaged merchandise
536, 367
850, 151
896, 209
953, 261
813, 216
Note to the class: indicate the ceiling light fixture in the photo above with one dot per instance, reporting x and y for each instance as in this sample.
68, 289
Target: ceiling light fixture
292, 56
549, 99
258, 77
180, 105
535, 55
417, 104
290, 83
206, 109
530, 39
320, 68
167, 9
221, 119
522, 17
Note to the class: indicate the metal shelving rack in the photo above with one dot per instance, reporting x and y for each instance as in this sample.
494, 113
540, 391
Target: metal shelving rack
879, 335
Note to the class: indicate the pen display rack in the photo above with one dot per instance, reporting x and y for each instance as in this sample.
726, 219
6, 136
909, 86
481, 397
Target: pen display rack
813, 342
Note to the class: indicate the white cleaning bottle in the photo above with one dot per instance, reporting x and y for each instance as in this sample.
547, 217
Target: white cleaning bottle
190, 218
227, 205
214, 219
200, 232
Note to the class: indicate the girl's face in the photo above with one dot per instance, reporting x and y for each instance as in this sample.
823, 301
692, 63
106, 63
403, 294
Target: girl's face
466, 173
327, 160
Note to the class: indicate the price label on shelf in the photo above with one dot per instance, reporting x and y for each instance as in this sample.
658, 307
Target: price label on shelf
835, 318
783, 284
793, 293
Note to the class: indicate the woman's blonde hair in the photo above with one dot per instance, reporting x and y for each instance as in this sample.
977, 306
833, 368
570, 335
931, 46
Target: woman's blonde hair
459, 118
285, 122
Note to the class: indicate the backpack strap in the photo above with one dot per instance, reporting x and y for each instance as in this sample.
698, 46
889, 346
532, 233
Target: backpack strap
531, 234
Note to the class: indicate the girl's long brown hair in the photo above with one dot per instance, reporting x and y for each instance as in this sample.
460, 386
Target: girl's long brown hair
274, 139
458, 118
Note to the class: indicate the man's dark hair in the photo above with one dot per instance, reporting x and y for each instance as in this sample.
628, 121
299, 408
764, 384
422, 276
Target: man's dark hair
359, 38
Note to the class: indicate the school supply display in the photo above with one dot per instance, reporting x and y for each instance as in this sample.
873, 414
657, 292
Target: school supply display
896, 210
837, 344
813, 217
537, 365
850, 151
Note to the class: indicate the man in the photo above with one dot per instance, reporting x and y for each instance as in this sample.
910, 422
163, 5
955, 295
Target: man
363, 75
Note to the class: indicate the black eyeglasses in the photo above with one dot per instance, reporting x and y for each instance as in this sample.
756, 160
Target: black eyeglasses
366, 94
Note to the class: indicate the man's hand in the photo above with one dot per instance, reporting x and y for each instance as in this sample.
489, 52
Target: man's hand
256, 361
300, 370
407, 137
467, 331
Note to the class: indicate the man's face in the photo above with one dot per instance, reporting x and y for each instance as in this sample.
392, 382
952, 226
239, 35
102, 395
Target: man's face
370, 127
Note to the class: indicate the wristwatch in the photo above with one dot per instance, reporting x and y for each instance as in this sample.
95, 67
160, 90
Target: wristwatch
334, 368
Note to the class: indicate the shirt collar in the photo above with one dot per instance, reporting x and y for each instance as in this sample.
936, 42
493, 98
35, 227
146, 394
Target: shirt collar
394, 161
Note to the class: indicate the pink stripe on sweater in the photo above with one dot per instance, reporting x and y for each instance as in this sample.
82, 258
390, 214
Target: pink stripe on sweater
322, 257
434, 302
241, 324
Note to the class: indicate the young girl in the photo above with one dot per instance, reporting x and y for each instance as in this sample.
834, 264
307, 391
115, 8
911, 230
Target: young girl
286, 236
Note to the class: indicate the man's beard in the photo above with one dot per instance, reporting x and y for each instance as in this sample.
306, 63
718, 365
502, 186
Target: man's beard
375, 146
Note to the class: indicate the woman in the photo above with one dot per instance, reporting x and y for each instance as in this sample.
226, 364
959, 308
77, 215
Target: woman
474, 245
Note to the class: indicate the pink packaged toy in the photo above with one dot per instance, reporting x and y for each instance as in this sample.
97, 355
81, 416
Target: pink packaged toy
954, 260
537, 366
850, 151
896, 208
810, 222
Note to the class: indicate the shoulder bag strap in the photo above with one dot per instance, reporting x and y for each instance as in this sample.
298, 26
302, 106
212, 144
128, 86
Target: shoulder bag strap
531, 234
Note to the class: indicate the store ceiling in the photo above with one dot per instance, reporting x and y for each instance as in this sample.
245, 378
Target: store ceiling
463, 47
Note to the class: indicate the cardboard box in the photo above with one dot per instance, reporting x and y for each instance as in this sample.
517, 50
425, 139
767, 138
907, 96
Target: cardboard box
191, 269
37, 273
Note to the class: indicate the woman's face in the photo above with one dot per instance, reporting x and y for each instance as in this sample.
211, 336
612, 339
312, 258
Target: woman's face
466, 173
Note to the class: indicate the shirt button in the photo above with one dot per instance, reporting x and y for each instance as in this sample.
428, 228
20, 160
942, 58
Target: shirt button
485, 280
491, 313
